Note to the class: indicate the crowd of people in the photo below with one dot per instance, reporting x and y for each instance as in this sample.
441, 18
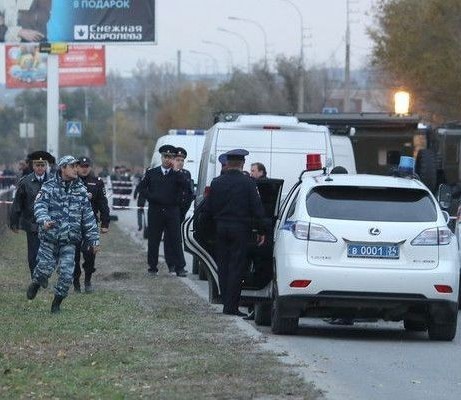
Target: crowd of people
63, 208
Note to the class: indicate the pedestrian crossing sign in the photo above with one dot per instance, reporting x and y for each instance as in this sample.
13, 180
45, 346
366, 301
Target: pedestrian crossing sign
74, 129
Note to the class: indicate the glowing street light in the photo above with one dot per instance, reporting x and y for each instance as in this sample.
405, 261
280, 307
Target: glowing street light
402, 102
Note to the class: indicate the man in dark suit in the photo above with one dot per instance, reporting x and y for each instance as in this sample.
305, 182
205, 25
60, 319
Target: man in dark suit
234, 203
163, 187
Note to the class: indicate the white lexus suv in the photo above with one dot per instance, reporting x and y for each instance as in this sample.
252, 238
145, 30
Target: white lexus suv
345, 246
365, 246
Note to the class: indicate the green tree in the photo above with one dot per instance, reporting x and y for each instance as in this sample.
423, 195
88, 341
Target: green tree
417, 45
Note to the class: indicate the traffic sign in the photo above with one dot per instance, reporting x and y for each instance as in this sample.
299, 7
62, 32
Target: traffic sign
74, 129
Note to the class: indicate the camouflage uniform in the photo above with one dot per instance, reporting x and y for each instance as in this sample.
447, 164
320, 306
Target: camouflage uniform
67, 204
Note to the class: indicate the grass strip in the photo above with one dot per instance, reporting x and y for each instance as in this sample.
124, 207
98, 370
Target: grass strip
135, 337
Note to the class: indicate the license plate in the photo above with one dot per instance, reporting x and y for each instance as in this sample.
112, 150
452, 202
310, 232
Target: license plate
373, 251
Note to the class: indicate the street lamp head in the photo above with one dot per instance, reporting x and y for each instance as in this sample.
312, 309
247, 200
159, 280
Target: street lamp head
234, 18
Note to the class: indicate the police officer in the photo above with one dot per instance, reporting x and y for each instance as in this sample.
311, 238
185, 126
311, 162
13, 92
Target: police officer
65, 217
233, 203
163, 187
22, 210
188, 194
186, 200
99, 203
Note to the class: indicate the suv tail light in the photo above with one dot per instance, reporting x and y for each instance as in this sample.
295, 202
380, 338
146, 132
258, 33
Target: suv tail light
433, 237
318, 233
300, 230
313, 232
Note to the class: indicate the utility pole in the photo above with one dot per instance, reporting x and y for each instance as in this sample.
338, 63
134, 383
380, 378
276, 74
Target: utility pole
347, 71
178, 68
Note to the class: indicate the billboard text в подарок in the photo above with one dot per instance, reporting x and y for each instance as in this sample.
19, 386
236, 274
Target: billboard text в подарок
78, 21
82, 65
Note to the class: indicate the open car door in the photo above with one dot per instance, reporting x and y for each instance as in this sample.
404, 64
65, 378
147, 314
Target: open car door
200, 237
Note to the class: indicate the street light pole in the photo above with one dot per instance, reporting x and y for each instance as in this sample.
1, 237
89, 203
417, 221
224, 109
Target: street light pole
347, 69
301, 59
241, 37
229, 53
261, 28
114, 132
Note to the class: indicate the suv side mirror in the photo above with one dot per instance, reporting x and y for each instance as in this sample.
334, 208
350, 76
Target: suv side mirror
444, 196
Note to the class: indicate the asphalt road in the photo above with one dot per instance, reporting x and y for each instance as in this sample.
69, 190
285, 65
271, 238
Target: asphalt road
369, 361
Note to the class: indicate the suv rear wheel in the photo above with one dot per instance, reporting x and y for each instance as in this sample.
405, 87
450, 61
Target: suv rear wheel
281, 325
443, 332
414, 326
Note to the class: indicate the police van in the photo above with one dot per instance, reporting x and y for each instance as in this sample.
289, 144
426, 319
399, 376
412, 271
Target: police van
191, 140
281, 143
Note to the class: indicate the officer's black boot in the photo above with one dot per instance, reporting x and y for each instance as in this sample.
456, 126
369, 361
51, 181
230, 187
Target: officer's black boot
77, 287
88, 286
32, 290
55, 306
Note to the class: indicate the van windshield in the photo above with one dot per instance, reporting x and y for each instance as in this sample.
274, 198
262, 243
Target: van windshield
371, 204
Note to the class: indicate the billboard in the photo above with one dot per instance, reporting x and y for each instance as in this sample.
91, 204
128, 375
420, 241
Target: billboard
78, 21
26, 67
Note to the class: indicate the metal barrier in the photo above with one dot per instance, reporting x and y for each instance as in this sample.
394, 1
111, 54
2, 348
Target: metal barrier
6, 196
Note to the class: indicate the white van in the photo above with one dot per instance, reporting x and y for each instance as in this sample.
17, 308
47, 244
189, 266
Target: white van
343, 153
281, 143
191, 140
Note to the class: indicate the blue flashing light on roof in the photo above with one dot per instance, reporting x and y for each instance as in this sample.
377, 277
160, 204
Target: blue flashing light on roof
406, 165
330, 110
191, 132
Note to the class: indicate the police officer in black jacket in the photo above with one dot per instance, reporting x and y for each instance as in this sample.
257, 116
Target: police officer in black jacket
97, 196
22, 210
235, 205
187, 197
163, 187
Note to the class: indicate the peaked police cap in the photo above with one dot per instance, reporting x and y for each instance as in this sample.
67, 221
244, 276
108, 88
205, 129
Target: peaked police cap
167, 149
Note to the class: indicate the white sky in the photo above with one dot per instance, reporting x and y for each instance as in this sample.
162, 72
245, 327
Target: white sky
184, 24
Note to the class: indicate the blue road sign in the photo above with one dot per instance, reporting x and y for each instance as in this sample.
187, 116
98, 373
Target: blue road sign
74, 129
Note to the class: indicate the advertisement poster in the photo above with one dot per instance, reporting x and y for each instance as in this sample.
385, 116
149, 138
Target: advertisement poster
82, 65
78, 21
